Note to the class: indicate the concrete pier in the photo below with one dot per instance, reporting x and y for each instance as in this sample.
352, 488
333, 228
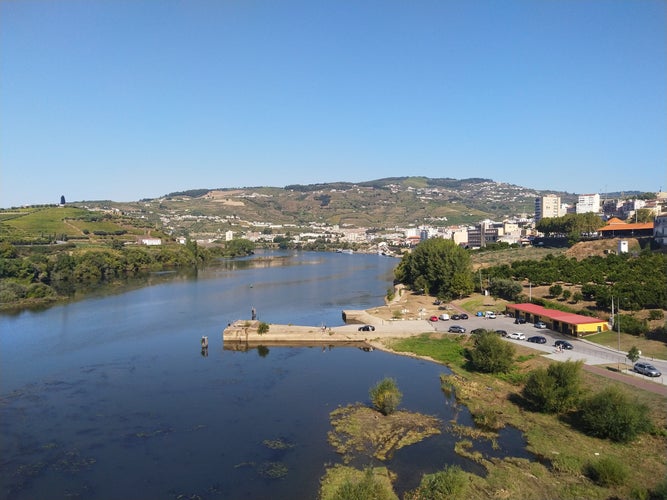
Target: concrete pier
246, 331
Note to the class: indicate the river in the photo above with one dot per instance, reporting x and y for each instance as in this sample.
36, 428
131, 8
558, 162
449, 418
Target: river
110, 397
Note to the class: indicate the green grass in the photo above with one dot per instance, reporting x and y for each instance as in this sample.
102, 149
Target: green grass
444, 350
649, 348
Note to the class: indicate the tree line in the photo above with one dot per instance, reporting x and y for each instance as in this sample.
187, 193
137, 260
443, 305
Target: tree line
51, 273
638, 281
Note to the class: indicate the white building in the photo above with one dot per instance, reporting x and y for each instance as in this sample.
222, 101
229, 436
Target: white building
588, 203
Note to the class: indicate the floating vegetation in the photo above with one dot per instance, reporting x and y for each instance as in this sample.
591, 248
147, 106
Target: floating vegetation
359, 429
244, 464
155, 433
278, 444
273, 470
72, 462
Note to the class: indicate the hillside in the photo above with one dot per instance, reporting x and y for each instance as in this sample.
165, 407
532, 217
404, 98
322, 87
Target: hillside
382, 203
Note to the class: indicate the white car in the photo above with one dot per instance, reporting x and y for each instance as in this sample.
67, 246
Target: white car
517, 336
444, 317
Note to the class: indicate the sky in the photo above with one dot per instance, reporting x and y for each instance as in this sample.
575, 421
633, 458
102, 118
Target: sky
129, 99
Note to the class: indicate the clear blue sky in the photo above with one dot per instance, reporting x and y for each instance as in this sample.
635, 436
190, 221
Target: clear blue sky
130, 99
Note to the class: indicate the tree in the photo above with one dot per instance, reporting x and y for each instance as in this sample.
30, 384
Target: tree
385, 396
644, 215
611, 414
556, 389
505, 288
633, 354
555, 290
491, 354
440, 267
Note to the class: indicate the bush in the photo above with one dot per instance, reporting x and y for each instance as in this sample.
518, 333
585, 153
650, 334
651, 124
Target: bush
368, 487
263, 328
632, 325
385, 396
491, 354
655, 314
556, 389
452, 483
39, 291
611, 414
607, 472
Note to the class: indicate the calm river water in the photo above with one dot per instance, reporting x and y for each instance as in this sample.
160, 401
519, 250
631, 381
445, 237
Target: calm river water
110, 397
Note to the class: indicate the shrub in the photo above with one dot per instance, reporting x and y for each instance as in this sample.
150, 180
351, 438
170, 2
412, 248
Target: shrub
611, 414
655, 314
607, 472
491, 354
556, 389
263, 328
452, 482
39, 291
368, 487
632, 325
385, 396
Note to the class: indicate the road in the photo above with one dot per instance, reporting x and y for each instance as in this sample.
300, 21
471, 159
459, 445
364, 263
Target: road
592, 354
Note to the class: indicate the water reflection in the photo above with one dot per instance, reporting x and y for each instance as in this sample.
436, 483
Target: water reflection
118, 401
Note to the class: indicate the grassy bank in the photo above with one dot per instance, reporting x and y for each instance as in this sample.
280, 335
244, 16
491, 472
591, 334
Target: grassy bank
564, 455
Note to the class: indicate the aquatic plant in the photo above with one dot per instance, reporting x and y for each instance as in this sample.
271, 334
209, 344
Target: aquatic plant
273, 470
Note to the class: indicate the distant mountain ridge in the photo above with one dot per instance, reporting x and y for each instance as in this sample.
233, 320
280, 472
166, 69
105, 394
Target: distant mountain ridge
386, 202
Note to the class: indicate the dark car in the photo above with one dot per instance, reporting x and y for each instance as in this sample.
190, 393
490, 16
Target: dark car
367, 328
456, 329
502, 333
519, 321
463, 316
477, 331
647, 369
563, 344
537, 339
455, 316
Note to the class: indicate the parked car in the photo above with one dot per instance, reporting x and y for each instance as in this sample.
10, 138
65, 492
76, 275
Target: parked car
519, 321
463, 316
540, 324
537, 339
456, 329
366, 328
490, 315
477, 331
564, 344
647, 369
455, 317
444, 317
502, 333
517, 336
433, 318
437, 302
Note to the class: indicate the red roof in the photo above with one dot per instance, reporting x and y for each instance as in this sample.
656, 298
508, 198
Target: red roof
564, 317
615, 224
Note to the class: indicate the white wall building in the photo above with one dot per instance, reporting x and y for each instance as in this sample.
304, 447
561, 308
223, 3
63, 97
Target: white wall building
588, 203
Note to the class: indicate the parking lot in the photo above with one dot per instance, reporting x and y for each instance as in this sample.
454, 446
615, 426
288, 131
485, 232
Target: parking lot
589, 352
